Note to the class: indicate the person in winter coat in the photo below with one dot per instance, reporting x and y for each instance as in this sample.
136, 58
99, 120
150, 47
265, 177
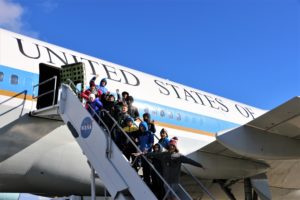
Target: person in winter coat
132, 110
92, 90
94, 106
132, 131
157, 185
120, 115
164, 139
151, 125
171, 161
146, 141
102, 86
125, 96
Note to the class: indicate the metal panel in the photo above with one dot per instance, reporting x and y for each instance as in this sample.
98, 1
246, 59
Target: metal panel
283, 120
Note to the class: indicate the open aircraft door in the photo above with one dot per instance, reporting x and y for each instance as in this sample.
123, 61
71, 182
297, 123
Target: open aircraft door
50, 79
76, 73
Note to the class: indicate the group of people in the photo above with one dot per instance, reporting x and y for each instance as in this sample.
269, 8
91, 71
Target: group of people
139, 139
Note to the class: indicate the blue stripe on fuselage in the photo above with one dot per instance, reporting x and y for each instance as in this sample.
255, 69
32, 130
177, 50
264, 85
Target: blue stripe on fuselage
26, 80
182, 118
158, 112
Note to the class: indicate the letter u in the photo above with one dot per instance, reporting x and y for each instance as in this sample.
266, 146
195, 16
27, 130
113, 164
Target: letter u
21, 49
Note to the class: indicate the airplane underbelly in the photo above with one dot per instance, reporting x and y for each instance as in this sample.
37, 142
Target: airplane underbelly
284, 174
43, 158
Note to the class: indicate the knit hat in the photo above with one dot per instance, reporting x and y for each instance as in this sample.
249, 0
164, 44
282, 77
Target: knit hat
175, 138
92, 84
92, 97
173, 142
128, 119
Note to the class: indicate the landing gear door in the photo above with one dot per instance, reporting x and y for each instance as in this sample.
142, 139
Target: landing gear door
76, 73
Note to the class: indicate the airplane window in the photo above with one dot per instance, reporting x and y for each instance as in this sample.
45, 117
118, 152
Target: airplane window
1, 76
146, 110
14, 79
162, 113
154, 112
178, 116
171, 115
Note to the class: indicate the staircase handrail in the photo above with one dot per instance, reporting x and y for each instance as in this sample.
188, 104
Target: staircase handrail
116, 125
48, 92
198, 182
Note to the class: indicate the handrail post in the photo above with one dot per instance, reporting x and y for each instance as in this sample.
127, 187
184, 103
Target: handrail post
198, 183
47, 92
55, 87
93, 185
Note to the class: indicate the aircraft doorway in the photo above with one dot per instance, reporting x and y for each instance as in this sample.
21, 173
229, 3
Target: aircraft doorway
48, 87
47, 84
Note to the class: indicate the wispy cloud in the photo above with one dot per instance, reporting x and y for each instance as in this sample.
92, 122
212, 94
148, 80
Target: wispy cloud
49, 5
11, 14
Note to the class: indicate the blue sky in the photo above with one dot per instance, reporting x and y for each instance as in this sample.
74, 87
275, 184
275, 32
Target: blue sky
245, 50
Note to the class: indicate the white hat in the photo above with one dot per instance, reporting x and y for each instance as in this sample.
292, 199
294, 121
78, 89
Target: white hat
92, 96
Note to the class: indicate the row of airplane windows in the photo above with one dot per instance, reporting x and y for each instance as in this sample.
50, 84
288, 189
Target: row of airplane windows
14, 79
163, 113
172, 115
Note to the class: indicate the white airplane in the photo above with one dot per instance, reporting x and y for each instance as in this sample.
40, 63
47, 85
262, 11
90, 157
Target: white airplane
239, 145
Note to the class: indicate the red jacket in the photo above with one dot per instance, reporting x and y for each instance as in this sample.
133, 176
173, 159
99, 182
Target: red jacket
85, 94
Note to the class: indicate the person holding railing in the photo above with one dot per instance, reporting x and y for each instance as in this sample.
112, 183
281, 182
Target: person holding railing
121, 114
157, 185
146, 141
94, 106
171, 163
132, 131
150, 123
91, 90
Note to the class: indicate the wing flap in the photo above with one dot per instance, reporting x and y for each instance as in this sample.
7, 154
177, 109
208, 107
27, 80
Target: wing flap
283, 120
274, 135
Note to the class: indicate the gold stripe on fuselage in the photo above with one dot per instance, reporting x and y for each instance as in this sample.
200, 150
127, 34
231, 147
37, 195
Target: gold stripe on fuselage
11, 94
182, 128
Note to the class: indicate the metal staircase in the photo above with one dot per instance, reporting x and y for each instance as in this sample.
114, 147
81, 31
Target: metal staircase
112, 167
105, 158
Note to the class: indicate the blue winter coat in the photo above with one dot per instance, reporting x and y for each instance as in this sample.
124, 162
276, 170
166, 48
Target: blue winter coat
146, 138
94, 107
164, 142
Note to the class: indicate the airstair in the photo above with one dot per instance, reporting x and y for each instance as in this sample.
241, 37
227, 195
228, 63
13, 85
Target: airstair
120, 178
105, 157
95, 139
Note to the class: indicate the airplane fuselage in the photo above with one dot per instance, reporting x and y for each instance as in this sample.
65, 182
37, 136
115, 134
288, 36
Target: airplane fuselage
40, 156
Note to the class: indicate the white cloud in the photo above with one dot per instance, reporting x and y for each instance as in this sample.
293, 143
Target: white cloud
11, 14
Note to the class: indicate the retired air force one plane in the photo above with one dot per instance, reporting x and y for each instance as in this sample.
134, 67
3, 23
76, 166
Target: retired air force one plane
242, 147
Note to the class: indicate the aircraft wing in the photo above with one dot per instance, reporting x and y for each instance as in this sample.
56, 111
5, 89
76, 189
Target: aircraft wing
274, 135
270, 138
